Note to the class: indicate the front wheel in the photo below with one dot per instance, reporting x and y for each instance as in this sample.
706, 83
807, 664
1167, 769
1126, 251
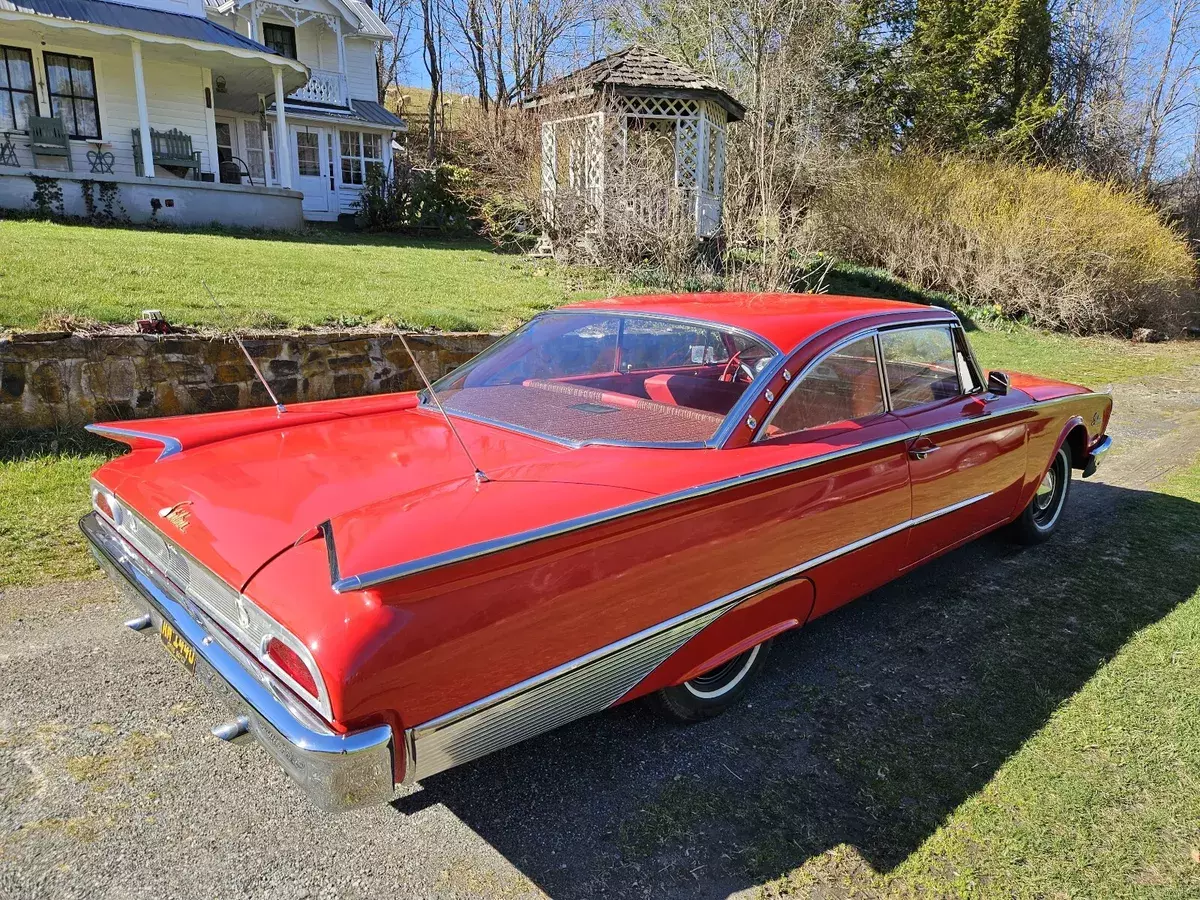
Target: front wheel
713, 692
1038, 520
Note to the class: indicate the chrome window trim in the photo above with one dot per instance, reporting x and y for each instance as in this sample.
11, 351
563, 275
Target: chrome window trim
170, 445
622, 314
639, 314
795, 383
375, 577
976, 369
602, 677
917, 407
742, 408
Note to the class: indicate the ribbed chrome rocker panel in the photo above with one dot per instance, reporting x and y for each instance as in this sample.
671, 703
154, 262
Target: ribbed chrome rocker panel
579, 688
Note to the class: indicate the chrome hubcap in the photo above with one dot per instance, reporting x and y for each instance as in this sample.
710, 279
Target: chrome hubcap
1045, 491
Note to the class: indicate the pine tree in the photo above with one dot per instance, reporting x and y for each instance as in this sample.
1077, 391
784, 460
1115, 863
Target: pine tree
979, 74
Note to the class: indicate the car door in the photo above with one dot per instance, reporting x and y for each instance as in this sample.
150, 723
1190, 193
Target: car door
966, 449
849, 514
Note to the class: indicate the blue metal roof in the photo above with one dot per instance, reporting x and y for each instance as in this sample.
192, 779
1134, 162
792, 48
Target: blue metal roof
367, 111
136, 18
376, 113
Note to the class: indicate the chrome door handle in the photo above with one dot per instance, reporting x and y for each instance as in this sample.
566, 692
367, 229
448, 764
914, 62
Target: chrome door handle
920, 450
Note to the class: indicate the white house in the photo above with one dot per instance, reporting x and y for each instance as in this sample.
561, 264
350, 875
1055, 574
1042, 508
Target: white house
176, 103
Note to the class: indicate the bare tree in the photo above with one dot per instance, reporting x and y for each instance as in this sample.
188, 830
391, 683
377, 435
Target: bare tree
390, 55
431, 49
510, 47
1172, 86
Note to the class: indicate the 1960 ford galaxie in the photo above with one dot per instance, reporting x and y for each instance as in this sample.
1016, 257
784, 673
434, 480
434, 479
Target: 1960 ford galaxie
626, 498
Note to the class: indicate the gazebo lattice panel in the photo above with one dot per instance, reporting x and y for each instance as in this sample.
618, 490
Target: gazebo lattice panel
591, 156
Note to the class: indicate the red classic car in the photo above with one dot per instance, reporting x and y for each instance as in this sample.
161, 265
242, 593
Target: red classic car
626, 498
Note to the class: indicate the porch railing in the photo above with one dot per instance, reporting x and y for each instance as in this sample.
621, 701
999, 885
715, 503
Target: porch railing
324, 87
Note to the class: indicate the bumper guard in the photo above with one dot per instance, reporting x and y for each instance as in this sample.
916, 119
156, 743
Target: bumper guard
1096, 456
337, 771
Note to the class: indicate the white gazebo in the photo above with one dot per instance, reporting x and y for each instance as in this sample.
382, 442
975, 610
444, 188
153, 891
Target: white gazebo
596, 119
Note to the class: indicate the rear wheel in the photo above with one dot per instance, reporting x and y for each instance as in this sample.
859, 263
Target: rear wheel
713, 692
1039, 519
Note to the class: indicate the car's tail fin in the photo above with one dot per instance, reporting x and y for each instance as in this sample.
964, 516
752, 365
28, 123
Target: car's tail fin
180, 433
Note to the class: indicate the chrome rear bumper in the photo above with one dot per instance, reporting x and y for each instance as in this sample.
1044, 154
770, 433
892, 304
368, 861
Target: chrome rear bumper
337, 771
1096, 456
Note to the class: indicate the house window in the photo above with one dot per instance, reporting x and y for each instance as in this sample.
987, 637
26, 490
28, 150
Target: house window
308, 153
18, 101
254, 149
362, 154
72, 83
281, 39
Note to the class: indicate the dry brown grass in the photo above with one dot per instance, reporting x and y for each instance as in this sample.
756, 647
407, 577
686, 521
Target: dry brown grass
1062, 250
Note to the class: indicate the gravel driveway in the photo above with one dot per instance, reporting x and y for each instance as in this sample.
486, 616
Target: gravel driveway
112, 786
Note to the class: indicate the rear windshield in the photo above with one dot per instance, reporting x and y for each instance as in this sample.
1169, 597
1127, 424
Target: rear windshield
593, 377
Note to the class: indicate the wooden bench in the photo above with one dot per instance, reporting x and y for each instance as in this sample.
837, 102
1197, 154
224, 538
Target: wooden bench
169, 149
48, 137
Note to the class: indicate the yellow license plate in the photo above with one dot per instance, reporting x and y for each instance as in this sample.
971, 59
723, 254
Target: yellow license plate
178, 647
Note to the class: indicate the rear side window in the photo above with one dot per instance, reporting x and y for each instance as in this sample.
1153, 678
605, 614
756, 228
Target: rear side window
842, 387
920, 366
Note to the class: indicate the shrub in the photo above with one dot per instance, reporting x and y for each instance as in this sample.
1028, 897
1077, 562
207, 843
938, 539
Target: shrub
1055, 247
417, 200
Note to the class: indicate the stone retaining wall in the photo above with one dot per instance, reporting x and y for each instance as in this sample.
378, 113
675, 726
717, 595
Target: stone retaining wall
59, 379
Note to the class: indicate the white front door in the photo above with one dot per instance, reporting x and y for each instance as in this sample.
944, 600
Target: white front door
311, 145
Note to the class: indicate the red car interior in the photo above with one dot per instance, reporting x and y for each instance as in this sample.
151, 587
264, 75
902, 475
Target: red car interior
579, 413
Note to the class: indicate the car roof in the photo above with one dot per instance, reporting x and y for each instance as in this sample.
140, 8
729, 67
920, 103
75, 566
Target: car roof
785, 320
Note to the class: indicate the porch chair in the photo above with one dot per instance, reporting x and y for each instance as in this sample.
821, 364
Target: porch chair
48, 137
169, 149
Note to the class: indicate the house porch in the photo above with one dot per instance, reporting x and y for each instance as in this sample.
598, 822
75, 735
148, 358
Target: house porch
173, 201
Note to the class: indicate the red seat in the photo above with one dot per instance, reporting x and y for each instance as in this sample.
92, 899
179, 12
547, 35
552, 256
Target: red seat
696, 393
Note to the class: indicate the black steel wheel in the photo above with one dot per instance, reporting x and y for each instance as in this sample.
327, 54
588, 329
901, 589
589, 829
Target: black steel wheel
1039, 519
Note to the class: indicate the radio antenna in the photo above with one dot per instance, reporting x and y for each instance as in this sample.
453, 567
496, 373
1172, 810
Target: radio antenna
480, 478
279, 407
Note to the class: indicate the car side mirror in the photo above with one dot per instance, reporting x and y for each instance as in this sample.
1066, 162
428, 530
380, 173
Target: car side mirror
997, 383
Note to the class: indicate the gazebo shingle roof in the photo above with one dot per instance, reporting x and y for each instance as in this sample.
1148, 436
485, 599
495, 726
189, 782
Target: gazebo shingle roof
636, 70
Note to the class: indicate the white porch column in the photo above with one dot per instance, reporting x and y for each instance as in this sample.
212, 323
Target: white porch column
139, 87
283, 145
210, 123
337, 28
268, 169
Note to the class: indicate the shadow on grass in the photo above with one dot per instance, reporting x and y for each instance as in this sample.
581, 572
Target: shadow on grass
29, 443
869, 727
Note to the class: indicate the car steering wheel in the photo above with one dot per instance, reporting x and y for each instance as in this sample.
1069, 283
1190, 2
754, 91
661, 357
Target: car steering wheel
735, 367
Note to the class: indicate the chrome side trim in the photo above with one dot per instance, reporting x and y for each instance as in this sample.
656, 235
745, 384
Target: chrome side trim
483, 548
384, 574
591, 682
578, 688
170, 445
337, 771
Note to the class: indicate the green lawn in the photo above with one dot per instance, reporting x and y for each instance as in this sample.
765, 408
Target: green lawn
320, 277
43, 493
1103, 800
1095, 362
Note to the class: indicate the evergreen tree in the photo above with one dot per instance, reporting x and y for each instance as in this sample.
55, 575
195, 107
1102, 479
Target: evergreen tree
979, 74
